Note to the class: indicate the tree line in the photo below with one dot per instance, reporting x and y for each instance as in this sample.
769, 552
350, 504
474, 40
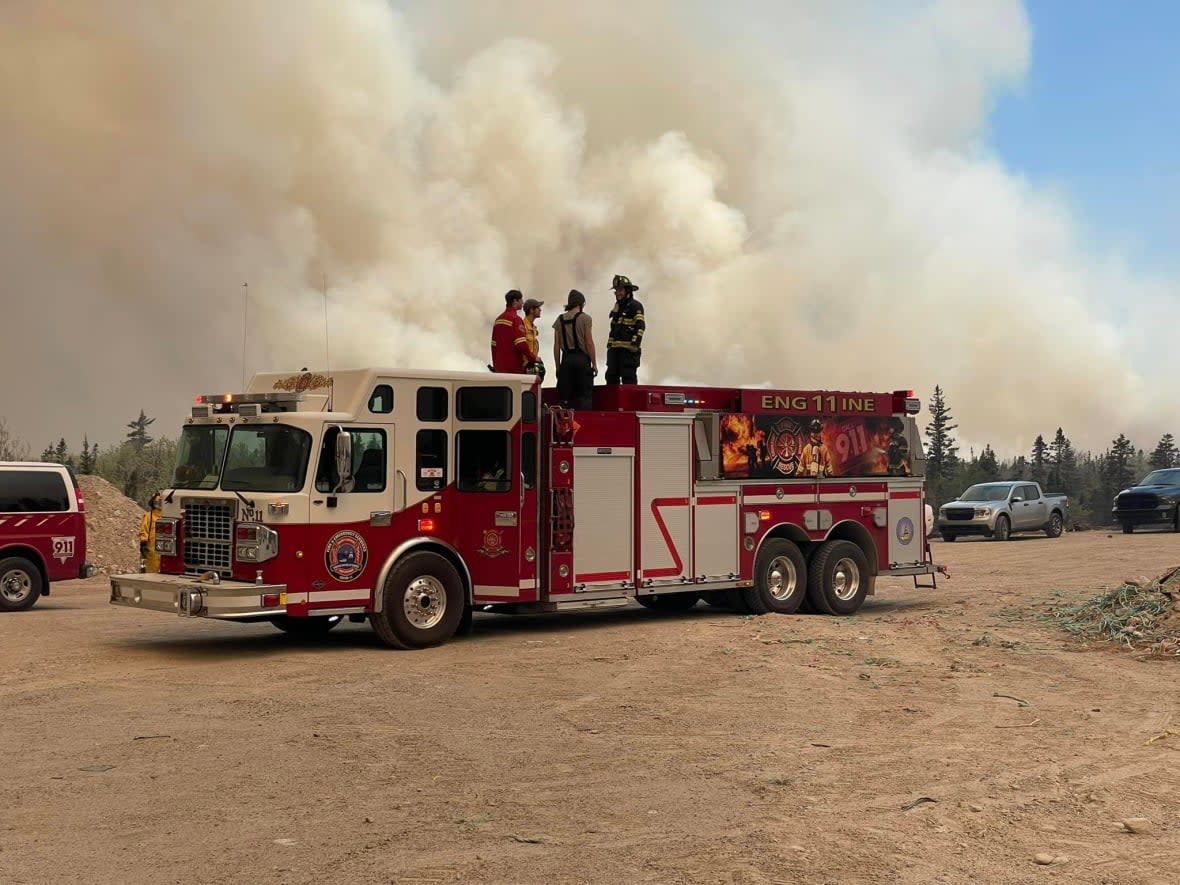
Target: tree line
1090, 480
137, 466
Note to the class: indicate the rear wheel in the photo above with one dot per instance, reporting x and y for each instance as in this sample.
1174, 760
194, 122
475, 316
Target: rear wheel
1053, 529
305, 628
780, 579
948, 537
838, 578
20, 584
1128, 528
1003, 529
668, 602
422, 602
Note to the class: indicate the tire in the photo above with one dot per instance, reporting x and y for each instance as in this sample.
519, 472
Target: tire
1176, 520
1054, 528
20, 584
948, 537
838, 578
305, 628
668, 602
1003, 529
422, 603
780, 579
1128, 528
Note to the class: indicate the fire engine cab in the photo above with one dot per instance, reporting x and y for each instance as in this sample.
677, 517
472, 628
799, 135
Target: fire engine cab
412, 499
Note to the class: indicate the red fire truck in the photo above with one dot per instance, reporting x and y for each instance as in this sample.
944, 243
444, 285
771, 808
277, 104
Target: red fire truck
412, 499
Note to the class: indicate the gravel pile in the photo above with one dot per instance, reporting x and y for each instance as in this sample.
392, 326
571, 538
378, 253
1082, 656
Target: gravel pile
112, 527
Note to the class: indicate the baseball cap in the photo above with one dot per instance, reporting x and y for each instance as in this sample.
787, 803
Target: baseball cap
531, 303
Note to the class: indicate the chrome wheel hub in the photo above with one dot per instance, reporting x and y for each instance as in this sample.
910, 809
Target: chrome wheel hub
15, 585
845, 580
781, 578
425, 602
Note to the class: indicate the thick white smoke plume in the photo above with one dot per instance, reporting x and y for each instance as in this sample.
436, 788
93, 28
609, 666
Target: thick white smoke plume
802, 191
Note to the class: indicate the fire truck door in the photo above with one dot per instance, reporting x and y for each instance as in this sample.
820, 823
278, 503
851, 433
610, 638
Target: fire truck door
906, 523
489, 481
665, 493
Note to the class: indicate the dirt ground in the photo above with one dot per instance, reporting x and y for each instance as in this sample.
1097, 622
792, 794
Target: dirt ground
626, 746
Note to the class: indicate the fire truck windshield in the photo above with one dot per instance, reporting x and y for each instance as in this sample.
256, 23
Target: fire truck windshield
198, 456
266, 458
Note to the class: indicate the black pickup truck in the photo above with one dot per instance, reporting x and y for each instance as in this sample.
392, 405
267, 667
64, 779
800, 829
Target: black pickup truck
1153, 501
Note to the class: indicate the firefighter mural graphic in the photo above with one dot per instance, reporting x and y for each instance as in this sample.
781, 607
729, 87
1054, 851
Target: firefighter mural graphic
803, 447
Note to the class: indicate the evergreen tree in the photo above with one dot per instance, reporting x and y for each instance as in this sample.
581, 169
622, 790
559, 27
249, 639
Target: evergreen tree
85, 464
49, 455
942, 452
1062, 475
1018, 470
987, 463
61, 454
1120, 469
139, 430
1038, 463
1165, 454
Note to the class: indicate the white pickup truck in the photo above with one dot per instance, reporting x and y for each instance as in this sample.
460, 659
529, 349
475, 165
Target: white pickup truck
997, 510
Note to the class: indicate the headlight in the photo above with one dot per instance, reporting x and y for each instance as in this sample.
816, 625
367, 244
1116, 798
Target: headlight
983, 512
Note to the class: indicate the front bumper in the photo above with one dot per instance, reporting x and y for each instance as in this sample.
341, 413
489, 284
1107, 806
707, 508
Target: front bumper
978, 525
1155, 516
188, 597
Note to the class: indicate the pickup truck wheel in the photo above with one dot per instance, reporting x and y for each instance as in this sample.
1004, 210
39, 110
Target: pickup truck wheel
838, 578
1053, 529
1176, 520
780, 579
20, 584
422, 602
1128, 528
1003, 529
948, 537
305, 628
668, 602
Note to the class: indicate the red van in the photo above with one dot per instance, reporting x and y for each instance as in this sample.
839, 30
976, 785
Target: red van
42, 531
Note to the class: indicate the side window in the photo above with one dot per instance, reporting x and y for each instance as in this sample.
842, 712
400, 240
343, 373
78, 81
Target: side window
528, 410
483, 404
368, 463
528, 459
32, 491
484, 460
1030, 493
430, 469
432, 404
381, 402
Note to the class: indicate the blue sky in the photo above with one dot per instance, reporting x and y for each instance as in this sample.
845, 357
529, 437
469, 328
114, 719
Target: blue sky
1099, 119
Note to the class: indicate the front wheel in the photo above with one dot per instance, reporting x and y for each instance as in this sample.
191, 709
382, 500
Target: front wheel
1128, 528
780, 579
20, 584
422, 602
1053, 529
305, 628
1003, 529
838, 578
948, 537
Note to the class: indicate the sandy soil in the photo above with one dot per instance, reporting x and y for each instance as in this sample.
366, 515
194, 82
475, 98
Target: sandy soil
621, 747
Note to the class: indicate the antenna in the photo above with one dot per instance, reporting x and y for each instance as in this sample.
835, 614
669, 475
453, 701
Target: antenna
245, 309
327, 359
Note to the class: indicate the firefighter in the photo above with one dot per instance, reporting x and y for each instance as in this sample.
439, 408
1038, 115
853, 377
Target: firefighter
532, 313
574, 354
899, 449
149, 559
510, 343
816, 459
624, 346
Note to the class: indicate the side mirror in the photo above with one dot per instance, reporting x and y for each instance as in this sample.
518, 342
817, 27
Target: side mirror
1016, 499
343, 460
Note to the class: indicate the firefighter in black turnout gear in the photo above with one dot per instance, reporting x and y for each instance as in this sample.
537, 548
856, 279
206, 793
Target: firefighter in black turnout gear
624, 346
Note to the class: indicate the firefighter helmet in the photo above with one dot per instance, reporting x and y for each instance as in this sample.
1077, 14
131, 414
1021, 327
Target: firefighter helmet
622, 282
815, 426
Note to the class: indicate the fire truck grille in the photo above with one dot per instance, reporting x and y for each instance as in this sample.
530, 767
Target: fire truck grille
960, 513
208, 535
1137, 501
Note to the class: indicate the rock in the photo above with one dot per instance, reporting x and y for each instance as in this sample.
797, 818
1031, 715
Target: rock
1140, 825
975, 807
1044, 858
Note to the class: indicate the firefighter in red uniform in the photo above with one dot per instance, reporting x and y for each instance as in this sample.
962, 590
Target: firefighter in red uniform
510, 344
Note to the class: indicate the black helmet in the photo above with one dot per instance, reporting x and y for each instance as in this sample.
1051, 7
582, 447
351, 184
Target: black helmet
815, 426
622, 282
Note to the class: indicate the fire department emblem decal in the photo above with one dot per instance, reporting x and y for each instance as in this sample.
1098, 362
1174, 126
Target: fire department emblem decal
346, 555
905, 530
493, 544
